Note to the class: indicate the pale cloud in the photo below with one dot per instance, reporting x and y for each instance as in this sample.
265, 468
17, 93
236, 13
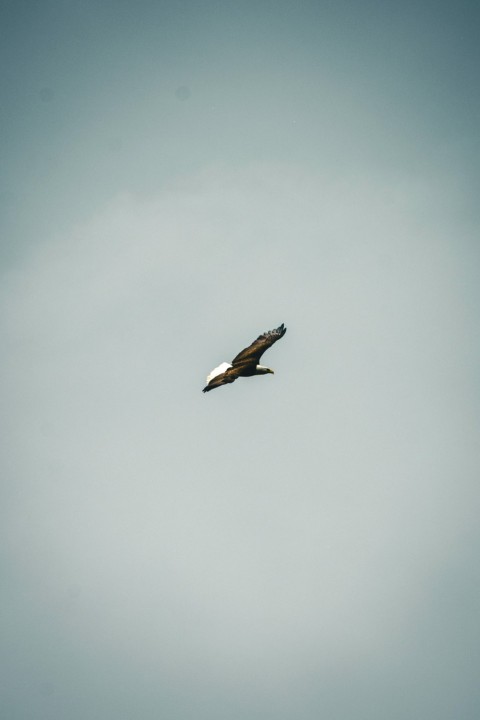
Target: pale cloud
300, 521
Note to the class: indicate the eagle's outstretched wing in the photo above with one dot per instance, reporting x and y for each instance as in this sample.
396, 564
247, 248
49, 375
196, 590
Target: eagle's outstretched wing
253, 353
228, 376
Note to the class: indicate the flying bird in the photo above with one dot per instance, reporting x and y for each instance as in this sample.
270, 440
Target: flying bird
246, 363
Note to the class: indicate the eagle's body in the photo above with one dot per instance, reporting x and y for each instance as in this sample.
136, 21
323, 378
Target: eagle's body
245, 364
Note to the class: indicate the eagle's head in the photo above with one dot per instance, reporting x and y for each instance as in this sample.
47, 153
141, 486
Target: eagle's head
262, 370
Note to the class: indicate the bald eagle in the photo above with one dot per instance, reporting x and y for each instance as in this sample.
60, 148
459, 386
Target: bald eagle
245, 363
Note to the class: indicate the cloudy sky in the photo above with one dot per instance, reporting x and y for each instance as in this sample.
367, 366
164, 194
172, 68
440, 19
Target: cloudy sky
176, 178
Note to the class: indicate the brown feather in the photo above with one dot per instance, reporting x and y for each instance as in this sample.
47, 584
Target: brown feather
252, 354
228, 376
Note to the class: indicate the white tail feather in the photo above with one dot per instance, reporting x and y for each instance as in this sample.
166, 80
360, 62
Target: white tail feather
218, 371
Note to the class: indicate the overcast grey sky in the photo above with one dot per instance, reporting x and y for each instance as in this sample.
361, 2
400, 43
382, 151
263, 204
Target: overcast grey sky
177, 178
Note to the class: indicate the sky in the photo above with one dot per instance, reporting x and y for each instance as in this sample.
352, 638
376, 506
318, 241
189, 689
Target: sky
177, 178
